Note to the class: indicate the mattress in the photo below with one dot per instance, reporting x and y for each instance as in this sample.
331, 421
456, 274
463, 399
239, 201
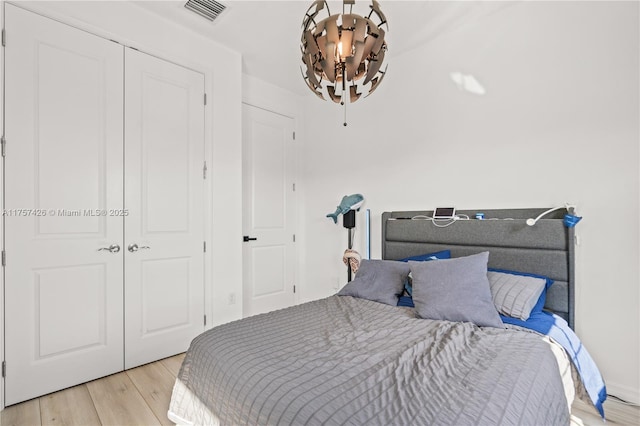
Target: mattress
343, 360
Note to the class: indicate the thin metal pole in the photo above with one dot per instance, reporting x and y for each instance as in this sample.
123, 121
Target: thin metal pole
350, 245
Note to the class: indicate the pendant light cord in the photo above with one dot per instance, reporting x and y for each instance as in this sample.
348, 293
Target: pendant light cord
345, 112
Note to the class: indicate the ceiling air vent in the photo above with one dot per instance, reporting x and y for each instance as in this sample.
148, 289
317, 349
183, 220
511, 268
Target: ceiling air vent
209, 9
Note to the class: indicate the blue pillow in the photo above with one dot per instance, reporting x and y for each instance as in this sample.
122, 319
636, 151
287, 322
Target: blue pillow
406, 301
543, 296
444, 254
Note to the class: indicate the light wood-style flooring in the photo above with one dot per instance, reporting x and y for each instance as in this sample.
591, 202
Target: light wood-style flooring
141, 396
617, 414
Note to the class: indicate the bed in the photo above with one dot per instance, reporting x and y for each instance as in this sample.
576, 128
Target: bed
361, 357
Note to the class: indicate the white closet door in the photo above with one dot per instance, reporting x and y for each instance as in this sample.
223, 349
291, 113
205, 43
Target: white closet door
63, 304
164, 160
268, 210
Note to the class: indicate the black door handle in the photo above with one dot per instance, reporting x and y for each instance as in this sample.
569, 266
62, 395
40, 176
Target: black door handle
247, 238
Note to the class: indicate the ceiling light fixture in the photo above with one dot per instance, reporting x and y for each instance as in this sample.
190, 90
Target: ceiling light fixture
343, 53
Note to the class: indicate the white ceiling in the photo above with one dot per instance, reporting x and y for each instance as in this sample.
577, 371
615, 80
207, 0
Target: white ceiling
267, 33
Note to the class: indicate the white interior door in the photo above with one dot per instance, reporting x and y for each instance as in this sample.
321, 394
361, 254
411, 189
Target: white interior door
268, 211
164, 160
63, 304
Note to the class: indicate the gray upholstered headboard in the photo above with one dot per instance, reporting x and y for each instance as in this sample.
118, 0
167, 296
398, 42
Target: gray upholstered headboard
547, 248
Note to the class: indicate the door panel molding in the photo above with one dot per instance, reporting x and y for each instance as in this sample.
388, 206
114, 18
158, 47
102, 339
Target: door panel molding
39, 364
269, 206
57, 257
164, 152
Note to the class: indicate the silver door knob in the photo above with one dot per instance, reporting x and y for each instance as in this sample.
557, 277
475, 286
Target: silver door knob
134, 247
113, 248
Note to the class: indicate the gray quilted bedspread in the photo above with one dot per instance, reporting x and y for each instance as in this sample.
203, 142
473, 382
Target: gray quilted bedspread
343, 360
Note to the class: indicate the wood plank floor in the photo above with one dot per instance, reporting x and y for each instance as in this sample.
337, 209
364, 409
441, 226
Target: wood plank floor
141, 396
617, 414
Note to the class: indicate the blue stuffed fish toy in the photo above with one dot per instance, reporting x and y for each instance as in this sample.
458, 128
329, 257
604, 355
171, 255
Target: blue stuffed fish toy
349, 202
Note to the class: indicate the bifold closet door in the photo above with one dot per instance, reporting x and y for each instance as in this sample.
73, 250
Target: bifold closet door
164, 190
64, 188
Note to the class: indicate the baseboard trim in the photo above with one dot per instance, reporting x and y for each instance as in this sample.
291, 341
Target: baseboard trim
625, 392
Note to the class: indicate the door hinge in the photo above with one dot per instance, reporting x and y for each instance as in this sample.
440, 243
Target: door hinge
4, 258
294, 136
294, 238
204, 246
204, 170
294, 288
205, 98
4, 368
294, 187
4, 37
205, 320
3, 142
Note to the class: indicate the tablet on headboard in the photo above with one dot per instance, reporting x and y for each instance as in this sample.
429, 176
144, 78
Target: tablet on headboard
444, 213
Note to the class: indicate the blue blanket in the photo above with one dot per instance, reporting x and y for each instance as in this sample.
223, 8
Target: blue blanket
558, 329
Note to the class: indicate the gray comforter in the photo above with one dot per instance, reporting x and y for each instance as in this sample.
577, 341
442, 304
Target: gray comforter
343, 360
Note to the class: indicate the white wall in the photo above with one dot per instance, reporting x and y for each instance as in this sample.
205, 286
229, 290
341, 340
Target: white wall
559, 122
135, 26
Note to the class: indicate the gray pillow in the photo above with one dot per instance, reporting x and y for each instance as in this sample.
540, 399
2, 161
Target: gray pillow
515, 295
455, 290
378, 280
